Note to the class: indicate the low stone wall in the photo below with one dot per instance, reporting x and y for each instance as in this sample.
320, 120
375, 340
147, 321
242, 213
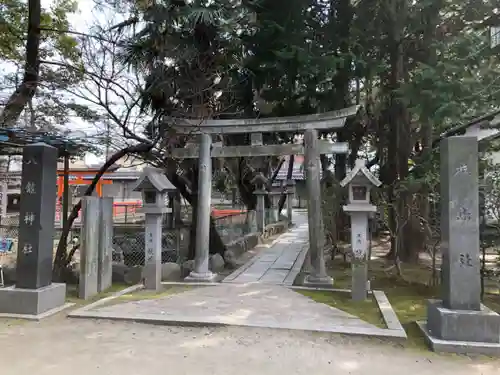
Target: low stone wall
175, 272
242, 245
172, 271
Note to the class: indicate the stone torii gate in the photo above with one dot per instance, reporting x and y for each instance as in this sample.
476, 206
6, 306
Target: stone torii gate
312, 149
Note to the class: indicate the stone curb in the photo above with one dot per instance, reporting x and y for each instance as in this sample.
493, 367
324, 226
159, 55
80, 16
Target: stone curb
388, 314
102, 301
85, 312
457, 347
208, 322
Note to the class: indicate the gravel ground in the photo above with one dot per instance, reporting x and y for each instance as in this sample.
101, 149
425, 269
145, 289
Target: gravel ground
60, 346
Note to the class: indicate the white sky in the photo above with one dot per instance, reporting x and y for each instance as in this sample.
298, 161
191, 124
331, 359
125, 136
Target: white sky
81, 21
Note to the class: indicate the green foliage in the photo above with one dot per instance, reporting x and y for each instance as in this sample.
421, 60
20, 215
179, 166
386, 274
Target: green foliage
48, 108
418, 68
54, 23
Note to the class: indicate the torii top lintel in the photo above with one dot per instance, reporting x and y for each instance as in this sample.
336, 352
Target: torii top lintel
327, 120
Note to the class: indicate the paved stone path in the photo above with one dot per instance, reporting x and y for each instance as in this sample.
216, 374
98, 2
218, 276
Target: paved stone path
250, 305
280, 263
255, 295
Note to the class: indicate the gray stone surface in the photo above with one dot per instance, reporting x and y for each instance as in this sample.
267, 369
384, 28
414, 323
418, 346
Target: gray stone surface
196, 277
389, 315
318, 274
133, 275
216, 263
253, 305
460, 223
459, 323
359, 259
230, 259
89, 247
14, 300
256, 151
463, 325
359, 281
290, 188
238, 301
275, 198
170, 271
187, 267
277, 263
36, 217
328, 120
105, 253
152, 241
458, 347
260, 212
201, 271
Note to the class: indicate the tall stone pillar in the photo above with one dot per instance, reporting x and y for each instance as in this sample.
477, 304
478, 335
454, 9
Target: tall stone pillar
89, 247
152, 261
274, 211
459, 321
34, 292
260, 181
260, 212
318, 274
359, 261
290, 193
201, 271
105, 255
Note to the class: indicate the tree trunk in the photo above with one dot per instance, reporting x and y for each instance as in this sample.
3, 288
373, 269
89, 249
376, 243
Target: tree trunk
400, 133
431, 19
26, 90
62, 258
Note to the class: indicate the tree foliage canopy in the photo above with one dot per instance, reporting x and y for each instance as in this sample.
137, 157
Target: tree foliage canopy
417, 68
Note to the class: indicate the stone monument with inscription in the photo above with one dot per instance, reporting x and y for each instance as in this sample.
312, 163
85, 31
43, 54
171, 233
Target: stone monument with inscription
154, 186
34, 292
105, 253
359, 182
260, 192
89, 247
459, 323
96, 246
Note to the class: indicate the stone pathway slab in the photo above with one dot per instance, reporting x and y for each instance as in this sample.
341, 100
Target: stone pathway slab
251, 305
280, 263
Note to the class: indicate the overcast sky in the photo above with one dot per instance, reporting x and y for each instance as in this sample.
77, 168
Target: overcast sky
86, 16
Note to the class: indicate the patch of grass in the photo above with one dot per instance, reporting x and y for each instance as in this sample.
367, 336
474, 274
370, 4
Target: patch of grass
72, 294
142, 294
408, 295
365, 310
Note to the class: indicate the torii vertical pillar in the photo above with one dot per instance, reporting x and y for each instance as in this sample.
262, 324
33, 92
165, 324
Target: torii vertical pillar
201, 271
317, 276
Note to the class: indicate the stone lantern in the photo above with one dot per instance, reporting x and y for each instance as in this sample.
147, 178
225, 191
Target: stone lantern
154, 187
359, 183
